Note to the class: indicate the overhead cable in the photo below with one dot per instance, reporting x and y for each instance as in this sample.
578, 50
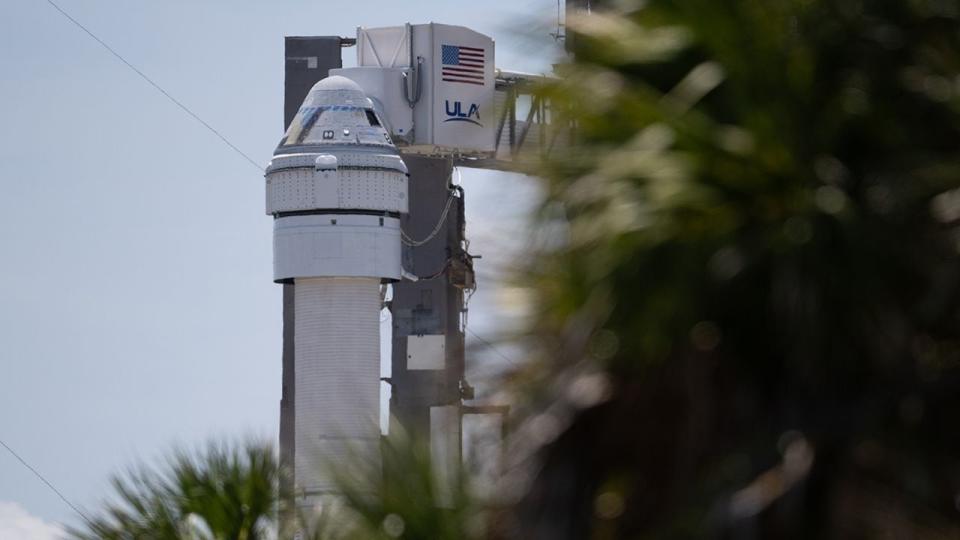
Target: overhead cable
47, 482
160, 89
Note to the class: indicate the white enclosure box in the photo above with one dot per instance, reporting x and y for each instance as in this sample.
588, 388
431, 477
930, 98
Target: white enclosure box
449, 79
426, 352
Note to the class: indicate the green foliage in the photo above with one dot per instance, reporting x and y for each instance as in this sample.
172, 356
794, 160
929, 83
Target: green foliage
400, 498
223, 493
760, 244
735, 139
233, 493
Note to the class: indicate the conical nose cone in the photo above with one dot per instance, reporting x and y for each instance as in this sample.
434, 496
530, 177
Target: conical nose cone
336, 90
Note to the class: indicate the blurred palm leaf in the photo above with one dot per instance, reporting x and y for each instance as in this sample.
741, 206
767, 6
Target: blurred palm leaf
222, 493
404, 497
760, 260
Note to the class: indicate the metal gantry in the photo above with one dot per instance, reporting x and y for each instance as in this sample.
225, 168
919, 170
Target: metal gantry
525, 131
431, 307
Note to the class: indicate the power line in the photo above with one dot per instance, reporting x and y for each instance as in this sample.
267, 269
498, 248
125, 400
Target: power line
47, 482
492, 347
156, 86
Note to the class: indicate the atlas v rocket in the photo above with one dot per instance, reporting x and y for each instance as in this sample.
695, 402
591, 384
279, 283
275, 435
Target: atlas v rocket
336, 188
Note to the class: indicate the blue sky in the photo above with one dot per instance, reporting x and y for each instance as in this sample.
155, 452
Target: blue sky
137, 310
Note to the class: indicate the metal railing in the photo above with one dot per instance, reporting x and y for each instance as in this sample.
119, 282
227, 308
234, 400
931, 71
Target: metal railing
520, 143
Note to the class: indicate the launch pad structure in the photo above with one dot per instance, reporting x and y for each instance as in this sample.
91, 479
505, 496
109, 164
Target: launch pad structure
427, 382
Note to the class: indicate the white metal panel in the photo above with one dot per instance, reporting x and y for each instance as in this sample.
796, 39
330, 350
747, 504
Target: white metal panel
371, 159
464, 115
301, 189
336, 245
372, 190
423, 111
337, 374
426, 351
383, 47
290, 190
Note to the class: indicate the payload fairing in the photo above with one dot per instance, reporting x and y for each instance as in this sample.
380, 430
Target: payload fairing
336, 187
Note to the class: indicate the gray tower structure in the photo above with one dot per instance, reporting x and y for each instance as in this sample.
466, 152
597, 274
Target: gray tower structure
433, 305
430, 307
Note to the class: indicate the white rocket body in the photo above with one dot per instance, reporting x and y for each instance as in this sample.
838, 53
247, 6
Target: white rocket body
336, 187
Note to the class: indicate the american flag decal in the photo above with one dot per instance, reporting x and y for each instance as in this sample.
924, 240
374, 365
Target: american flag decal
462, 64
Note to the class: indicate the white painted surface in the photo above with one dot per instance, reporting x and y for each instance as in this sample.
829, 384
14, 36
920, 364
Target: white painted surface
426, 351
337, 370
291, 190
383, 47
331, 245
463, 114
451, 116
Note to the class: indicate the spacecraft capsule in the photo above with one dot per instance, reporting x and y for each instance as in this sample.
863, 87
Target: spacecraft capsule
336, 187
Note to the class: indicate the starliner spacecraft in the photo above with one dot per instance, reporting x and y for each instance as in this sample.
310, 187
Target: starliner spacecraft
336, 187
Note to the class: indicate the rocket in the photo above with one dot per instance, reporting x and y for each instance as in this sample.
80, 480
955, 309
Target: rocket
336, 187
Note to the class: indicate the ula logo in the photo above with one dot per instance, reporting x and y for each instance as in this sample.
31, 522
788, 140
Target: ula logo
456, 114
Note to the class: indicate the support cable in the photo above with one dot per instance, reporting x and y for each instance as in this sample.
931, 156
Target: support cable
160, 89
47, 482
436, 230
436, 274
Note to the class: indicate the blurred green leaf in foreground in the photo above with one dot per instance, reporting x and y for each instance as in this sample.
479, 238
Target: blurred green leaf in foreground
226, 492
231, 492
747, 323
